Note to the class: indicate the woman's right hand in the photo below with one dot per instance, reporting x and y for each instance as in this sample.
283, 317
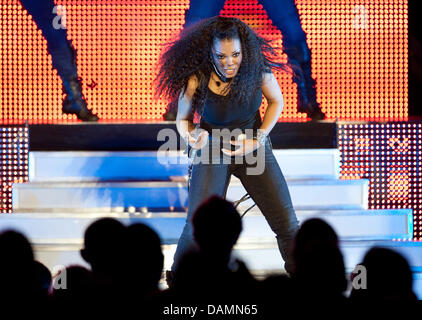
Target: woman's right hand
198, 138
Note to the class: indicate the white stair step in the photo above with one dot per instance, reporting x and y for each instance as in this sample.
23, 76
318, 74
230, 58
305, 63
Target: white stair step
349, 224
311, 193
305, 193
151, 165
267, 256
98, 195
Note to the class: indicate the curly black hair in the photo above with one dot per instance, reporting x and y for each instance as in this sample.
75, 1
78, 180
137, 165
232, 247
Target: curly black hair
190, 55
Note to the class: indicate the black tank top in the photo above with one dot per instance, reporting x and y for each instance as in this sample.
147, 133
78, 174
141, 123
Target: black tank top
221, 113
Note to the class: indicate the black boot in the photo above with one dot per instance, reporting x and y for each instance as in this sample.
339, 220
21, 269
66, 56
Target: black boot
286, 246
74, 102
300, 60
170, 278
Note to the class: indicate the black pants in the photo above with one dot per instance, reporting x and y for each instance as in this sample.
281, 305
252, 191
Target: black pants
268, 189
59, 47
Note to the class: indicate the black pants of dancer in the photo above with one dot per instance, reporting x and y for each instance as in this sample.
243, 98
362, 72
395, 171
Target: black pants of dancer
268, 190
58, 45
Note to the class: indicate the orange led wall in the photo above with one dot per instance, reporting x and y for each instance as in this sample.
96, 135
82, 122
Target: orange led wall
359, 52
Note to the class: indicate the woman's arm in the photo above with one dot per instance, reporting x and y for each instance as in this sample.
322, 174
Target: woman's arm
184, 121
272, 93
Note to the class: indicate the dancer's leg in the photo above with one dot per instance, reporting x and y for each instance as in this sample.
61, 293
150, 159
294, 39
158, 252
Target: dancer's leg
270, 192
207, 180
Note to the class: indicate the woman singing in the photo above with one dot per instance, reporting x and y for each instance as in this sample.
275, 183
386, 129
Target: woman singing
219, 69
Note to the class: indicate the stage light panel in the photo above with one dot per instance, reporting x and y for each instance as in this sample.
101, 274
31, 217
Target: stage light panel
388, 154
359, 58
14, 146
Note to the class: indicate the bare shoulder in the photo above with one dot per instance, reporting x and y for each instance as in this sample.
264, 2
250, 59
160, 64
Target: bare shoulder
193, 83
267, 77
188, 92
271, 88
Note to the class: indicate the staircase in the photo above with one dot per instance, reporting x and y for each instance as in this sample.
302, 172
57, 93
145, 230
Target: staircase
68, 190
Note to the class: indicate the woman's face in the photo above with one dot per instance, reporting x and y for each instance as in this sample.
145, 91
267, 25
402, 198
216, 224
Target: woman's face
227, 55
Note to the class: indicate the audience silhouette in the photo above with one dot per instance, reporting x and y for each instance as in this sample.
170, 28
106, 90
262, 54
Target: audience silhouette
319, 278
145, 258
23, 281
209, 274
388, 277
73, 286
103, 250
126, 265
319, 266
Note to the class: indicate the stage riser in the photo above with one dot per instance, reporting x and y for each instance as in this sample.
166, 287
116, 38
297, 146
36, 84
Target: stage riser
150, 165
69, 228
314, 194
103, 136
305, 194
261, 261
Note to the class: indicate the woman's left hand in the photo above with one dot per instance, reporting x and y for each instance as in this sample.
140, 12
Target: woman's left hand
245, 146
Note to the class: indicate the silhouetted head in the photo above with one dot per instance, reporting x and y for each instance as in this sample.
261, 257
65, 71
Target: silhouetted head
388, 276
104, 242
318, 259
216, 225
145, 259
73, 283
43, 274
15, 248
17, 268
315, 232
